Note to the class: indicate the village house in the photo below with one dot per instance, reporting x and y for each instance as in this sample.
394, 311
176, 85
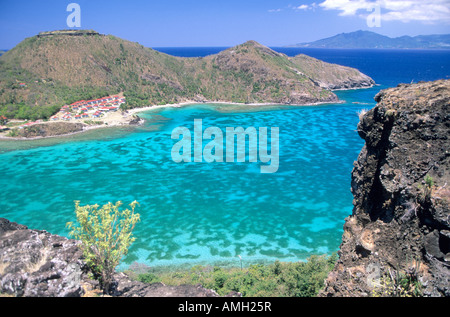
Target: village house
97, 114
91, 108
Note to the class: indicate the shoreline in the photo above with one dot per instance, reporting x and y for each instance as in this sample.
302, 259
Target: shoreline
124, 119
356, 88
85, 129
188, 103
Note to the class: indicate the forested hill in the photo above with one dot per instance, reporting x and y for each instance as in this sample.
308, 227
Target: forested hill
46, 71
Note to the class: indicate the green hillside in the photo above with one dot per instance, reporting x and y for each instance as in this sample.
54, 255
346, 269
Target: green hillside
44, 72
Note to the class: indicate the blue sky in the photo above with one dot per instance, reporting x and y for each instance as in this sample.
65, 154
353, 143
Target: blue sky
223, 22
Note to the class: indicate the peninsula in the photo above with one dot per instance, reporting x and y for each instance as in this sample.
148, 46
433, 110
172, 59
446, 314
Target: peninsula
50, 71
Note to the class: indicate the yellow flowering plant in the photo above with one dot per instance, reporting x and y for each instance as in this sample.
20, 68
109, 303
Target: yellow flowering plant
106, 235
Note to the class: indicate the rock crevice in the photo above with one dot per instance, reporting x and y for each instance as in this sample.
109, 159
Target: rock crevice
400, 183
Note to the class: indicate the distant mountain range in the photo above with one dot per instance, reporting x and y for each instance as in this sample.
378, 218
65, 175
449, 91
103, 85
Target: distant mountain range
367, 39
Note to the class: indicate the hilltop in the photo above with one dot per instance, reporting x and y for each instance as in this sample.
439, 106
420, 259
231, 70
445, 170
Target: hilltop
372, 40
46, 71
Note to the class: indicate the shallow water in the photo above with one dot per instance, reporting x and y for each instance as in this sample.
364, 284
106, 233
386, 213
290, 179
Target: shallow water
210, 213
196, 213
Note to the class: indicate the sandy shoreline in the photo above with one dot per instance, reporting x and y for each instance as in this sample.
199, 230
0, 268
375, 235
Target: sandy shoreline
187, 103
118, 119
85, 129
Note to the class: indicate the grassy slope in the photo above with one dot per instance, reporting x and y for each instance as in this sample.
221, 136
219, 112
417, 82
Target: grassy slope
62, 69
280, 279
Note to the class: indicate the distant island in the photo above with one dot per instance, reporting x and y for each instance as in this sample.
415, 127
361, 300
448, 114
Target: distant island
372, 40
53, 69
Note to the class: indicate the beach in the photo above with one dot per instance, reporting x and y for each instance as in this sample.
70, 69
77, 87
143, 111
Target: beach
130, 117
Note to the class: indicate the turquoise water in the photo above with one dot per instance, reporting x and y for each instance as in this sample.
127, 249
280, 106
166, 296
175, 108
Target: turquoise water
198, 213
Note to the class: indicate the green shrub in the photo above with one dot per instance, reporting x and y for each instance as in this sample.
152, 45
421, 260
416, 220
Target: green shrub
106, 235
280, 279
400, 285
426, 190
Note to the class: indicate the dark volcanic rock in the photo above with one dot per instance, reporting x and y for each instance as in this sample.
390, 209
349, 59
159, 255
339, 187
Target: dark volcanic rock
399, 223
127, 288
135, 120
35, 263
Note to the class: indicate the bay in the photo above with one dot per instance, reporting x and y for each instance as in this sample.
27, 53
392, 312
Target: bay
211, 213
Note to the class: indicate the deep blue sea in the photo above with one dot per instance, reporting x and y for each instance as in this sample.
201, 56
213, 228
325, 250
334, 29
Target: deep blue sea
387, 67
211, 213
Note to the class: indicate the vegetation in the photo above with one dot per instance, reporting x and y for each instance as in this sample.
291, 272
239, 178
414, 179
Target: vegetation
400, 284
44, 72
24, 112
426, 190
429, 182
106, 235
301, 279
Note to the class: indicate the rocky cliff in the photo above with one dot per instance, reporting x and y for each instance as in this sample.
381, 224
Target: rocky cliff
399, 231
35, 263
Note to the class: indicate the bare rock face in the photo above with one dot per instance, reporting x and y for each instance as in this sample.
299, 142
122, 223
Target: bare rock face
401, 189
136, 120
36, 263
127, 288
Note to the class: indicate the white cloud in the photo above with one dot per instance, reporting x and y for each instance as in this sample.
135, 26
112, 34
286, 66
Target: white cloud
303, 7
347, 7
275, 10
427, 11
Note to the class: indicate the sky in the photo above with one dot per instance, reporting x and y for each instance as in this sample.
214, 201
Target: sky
191, 23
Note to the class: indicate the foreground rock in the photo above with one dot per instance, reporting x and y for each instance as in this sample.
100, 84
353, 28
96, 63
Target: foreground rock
35, 263
400, 184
